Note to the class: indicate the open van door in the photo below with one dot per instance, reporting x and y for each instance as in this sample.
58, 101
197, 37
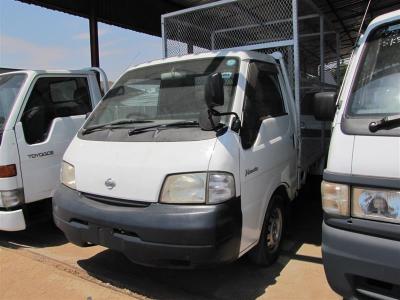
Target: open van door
54, 110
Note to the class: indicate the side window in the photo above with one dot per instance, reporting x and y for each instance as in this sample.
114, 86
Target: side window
53, 97
263, 99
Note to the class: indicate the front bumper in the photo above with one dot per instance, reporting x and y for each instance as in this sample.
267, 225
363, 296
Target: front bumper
358, 265
180, 236
12, 220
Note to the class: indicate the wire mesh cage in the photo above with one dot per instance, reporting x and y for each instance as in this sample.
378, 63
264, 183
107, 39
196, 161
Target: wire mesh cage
260, 25
227, 24
296, 28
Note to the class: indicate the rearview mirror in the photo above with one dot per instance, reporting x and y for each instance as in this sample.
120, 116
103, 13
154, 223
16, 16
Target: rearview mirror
324, 106
214, 90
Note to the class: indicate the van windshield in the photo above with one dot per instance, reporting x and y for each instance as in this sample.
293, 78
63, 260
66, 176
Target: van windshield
167, 92
376, 90
10, 85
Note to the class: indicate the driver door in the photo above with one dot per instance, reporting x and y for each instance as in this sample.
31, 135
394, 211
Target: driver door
268, 154
54, 111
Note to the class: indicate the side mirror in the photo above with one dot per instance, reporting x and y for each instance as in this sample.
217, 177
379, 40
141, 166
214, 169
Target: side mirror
214, 90
324, 106
236, 125
208, 121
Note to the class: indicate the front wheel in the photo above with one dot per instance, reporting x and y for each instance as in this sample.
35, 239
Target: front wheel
268, 248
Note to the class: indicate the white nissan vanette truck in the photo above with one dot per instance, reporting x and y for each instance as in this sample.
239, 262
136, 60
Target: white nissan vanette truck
192, 159
361, 187
187, 161
40, 112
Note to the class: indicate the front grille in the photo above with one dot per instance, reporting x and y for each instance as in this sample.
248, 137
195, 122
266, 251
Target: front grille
114, 201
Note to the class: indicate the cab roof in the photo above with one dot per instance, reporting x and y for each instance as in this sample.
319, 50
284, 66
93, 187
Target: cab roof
243, 55
382, 19
51, 72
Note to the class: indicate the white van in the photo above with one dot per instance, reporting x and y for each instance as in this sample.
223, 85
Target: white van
186, 161
40, 112
361, 188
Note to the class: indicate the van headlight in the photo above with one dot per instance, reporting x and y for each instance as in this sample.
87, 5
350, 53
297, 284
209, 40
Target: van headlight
335, 198
11, 198
198, 188
67, 176
376, 204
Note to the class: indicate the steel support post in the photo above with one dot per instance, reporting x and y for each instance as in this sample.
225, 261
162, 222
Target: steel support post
322, 73
338, 59
296, 58
94, 41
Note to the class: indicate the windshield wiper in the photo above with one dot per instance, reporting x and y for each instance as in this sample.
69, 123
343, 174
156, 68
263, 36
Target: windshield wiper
388, 122
113, 124
180, 124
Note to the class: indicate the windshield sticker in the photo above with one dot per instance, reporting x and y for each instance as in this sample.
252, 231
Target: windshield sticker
391, 41
231, 62
226, 75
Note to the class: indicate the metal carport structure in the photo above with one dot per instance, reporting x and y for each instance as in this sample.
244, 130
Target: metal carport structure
145, 16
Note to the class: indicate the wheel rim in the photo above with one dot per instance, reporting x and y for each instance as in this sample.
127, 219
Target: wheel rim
275, 224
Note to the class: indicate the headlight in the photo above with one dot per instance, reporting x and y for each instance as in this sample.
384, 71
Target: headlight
198, 188
11, 198
375, 204
68, 175
221, 187
335, 198
185, 188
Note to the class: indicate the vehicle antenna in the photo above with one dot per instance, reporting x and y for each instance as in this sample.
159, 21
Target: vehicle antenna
362, 22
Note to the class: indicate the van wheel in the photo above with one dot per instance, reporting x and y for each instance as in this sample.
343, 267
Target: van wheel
268, 248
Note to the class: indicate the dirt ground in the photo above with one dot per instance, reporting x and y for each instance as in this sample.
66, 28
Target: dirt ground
39, 263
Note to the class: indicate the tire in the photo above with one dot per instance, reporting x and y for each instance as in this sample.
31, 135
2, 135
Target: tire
267, 251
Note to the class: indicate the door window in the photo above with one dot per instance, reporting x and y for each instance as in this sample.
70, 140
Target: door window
53, 97
263, 100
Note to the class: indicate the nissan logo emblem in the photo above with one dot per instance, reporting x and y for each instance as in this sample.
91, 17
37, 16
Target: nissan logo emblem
110, 184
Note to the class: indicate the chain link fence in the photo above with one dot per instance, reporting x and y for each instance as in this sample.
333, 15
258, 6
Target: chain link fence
230, 25
254, 25
296, 28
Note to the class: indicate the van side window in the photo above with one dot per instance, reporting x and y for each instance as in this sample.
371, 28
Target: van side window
263, 99
53, 97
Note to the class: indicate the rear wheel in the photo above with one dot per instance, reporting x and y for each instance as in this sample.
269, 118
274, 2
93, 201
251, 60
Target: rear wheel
268, 248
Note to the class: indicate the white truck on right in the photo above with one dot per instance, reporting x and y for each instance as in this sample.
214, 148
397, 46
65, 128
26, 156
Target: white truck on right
361, 187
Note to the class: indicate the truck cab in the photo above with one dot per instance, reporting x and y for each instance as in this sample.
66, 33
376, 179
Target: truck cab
40, 112
361, 187
186, 161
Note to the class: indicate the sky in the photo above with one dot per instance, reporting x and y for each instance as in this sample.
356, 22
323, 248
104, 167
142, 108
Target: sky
32, 37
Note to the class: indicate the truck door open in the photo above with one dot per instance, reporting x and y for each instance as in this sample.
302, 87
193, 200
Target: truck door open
54, 111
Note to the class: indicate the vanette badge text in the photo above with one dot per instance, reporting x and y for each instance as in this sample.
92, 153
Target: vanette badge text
248, 172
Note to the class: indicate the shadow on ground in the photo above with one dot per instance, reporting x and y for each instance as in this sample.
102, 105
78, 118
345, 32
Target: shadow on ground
39, 235
239, 280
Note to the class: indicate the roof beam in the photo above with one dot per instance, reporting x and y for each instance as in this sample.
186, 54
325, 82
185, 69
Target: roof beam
334, 11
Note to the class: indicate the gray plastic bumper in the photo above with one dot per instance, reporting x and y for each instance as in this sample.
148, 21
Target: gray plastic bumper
359, 265
155, 235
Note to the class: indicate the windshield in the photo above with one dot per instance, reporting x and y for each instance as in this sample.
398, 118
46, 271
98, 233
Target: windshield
376, 90
164, 93
10, 85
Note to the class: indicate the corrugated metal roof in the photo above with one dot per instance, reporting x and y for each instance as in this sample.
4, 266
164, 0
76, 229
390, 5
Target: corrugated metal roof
144, 16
